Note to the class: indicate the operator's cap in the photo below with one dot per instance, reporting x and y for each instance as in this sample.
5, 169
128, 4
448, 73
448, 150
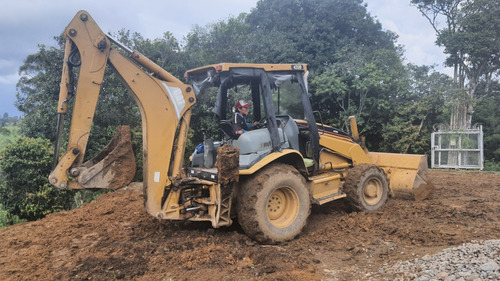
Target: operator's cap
241, 104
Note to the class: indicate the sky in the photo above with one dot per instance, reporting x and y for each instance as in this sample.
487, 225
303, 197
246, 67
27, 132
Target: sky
24, 24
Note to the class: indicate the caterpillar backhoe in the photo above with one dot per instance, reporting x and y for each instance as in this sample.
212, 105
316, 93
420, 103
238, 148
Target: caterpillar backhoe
267, 178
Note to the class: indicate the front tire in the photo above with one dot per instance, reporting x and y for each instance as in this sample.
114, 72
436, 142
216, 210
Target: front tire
274, 204
367, 188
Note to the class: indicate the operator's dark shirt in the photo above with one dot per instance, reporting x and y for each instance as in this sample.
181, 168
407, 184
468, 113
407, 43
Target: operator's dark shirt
239, 122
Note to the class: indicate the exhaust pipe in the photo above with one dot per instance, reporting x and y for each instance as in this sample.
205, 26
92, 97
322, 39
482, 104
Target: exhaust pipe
354, 128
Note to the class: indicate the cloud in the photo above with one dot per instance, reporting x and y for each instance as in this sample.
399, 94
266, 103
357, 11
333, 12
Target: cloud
8, 71
414, 31
24, 24
10, 79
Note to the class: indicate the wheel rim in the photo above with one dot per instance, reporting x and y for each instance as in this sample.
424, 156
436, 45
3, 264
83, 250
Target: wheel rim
282, 207
372, 192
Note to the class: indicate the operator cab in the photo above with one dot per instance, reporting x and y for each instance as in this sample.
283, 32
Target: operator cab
278, 97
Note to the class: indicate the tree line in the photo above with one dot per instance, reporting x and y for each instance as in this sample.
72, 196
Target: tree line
356, 68
7, 120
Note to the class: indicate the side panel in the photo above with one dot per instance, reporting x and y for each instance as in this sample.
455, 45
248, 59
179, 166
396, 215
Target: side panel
325, 187
329, 160
345, 148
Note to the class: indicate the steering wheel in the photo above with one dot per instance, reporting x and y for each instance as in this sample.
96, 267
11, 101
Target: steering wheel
262, 122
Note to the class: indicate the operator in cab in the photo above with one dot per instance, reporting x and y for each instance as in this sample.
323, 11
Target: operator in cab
239, 118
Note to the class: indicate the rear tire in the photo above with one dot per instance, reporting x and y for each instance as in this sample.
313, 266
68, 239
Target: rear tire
274, 205
367, 188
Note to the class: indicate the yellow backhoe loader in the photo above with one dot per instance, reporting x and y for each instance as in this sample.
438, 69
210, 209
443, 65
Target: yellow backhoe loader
267, 178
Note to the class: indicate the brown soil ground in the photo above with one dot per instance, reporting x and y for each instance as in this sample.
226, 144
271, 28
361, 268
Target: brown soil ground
113, 238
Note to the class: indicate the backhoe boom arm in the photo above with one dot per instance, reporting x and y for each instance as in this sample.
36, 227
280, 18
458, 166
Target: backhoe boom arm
164, 103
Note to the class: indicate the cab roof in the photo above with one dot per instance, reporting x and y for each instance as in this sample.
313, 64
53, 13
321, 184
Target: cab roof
222, 67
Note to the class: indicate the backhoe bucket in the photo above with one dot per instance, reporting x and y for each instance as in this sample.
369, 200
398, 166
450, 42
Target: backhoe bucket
406, 173
114, 167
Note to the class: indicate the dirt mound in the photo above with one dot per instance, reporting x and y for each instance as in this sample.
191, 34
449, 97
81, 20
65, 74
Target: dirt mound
114, 238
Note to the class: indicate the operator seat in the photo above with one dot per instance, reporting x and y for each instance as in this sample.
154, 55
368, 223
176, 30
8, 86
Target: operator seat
227, 128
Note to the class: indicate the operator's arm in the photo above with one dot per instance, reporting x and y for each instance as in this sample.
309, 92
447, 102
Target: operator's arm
251, 125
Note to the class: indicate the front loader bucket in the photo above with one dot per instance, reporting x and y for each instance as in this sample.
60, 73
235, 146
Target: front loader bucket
114, 167
406, 173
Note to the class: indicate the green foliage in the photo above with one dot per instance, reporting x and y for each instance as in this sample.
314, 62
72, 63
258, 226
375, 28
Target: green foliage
87, 196
314, 32
38, 91
418, 109
487, 113
7, 218
491, 166
473, 40
162, 51
364, 87
8, 135
24, 188
224, 41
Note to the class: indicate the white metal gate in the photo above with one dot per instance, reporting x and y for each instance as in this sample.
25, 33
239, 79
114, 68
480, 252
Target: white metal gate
458, 149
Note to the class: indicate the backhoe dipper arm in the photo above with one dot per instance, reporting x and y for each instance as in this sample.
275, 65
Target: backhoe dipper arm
164, 103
